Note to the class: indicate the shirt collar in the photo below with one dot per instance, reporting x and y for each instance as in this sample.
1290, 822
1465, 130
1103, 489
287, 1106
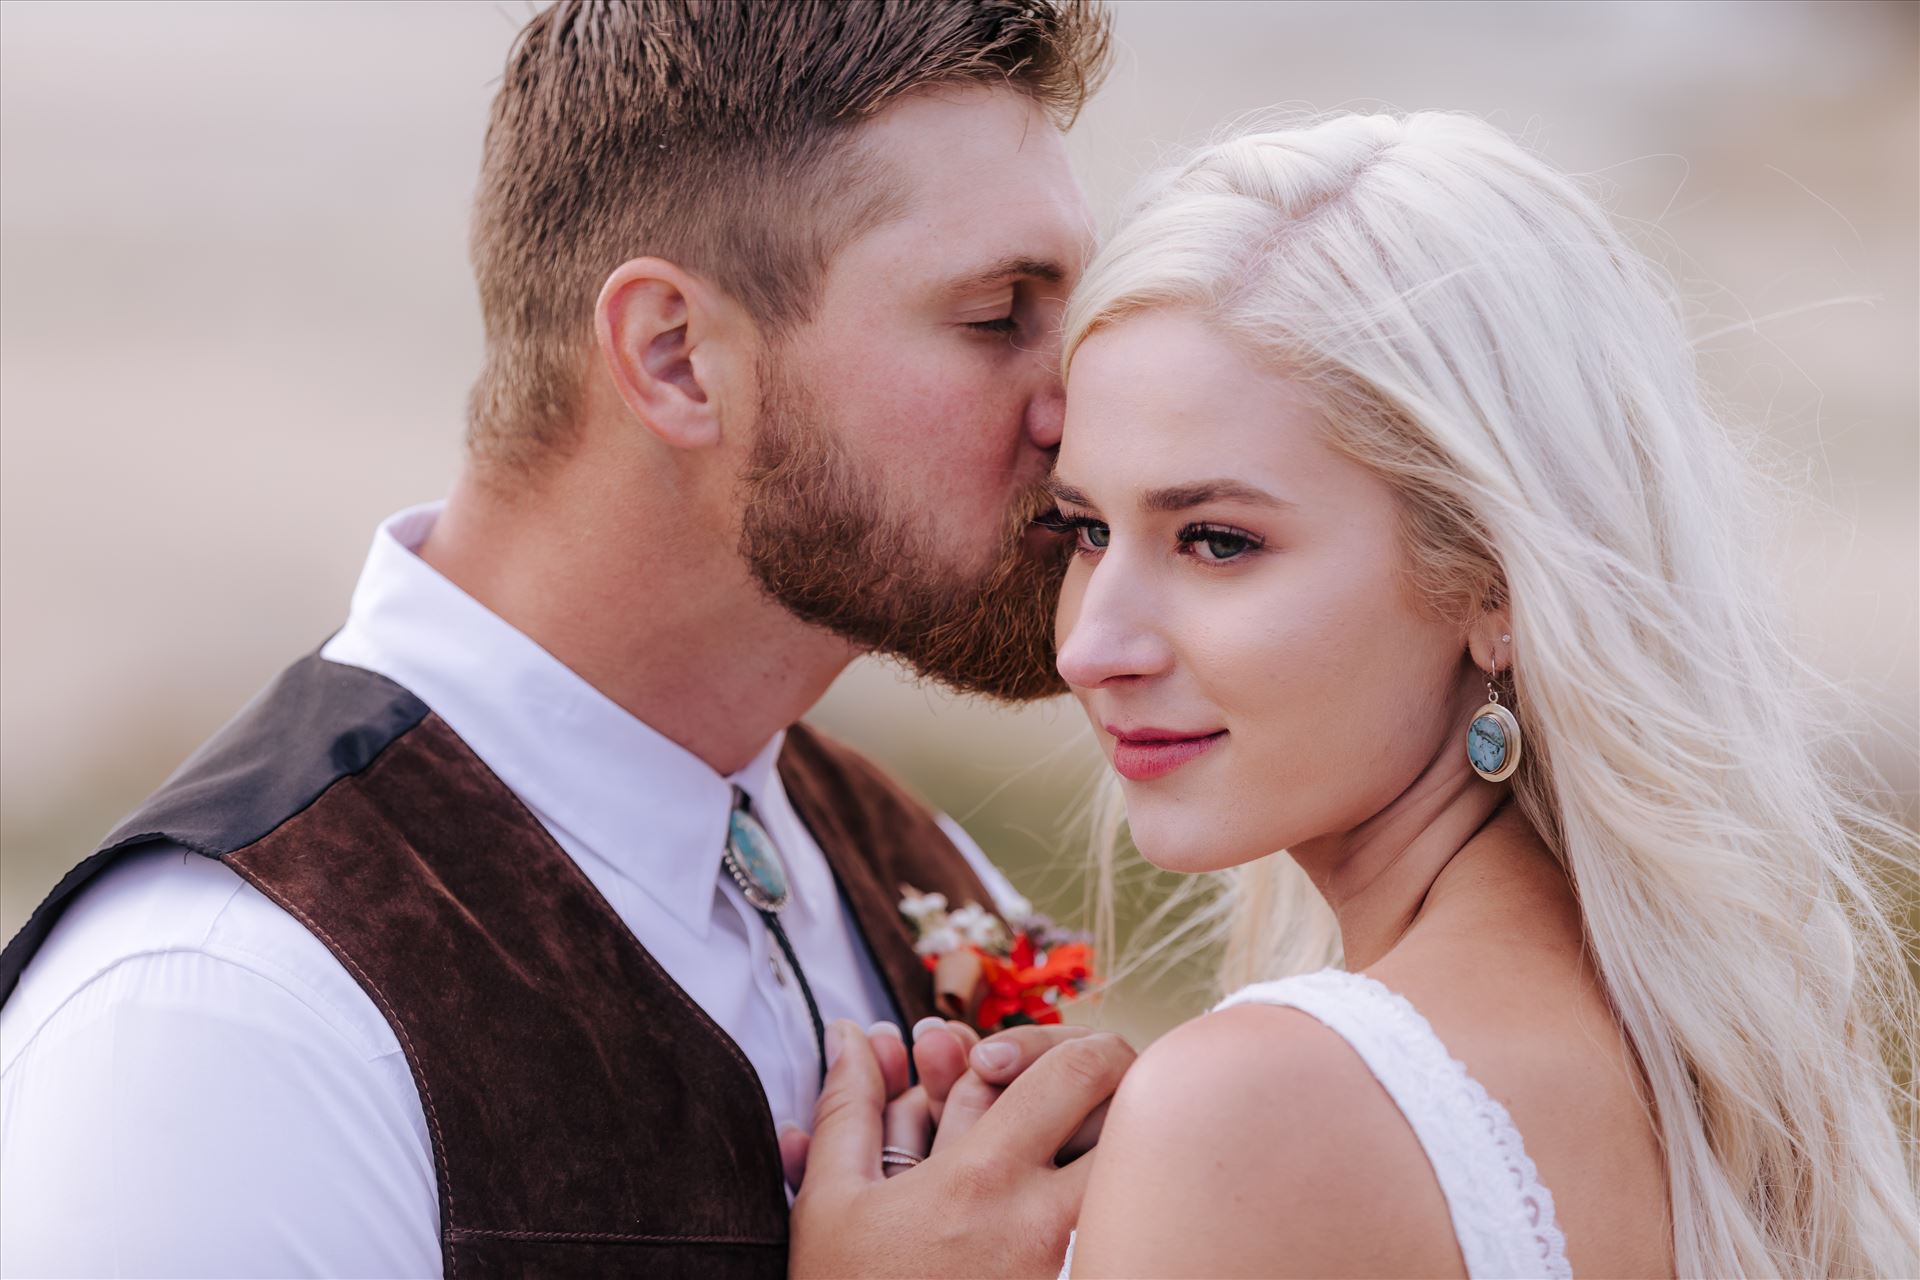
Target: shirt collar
586, 767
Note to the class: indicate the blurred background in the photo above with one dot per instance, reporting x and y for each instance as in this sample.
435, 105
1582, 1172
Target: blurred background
237, 329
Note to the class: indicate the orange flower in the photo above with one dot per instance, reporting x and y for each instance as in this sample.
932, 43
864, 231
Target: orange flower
1025, 988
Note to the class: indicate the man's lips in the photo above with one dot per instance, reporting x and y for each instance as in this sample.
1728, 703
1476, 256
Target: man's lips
1143, 754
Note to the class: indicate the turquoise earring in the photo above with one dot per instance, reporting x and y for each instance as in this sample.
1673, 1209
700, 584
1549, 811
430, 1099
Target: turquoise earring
1493, 737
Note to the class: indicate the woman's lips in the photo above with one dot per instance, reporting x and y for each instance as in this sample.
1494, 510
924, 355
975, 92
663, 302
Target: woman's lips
1146, 754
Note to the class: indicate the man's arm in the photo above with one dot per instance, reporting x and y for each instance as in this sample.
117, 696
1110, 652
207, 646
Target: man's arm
165, 1110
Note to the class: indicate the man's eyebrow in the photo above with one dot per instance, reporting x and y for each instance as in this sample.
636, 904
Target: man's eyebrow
1006, 269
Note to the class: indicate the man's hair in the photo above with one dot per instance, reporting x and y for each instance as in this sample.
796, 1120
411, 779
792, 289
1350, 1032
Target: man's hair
716, 134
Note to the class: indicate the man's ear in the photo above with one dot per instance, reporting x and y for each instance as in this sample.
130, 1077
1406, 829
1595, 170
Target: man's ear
665, 336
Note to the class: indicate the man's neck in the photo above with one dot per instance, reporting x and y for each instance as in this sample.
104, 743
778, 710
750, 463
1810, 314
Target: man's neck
657, 614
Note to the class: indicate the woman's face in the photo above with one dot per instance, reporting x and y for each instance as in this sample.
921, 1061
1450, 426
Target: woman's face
1238, 622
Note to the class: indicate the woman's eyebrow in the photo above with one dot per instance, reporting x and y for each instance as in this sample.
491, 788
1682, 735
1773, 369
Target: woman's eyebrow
1182, 496
1060, 491
1175, 497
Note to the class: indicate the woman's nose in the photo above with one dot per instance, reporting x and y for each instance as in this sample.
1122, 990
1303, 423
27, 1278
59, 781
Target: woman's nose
1109, 631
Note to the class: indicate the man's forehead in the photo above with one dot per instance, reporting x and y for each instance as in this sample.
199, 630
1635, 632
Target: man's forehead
977, 243
983, 189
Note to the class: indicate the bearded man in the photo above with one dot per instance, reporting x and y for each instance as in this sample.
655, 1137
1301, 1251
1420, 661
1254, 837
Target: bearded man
503, 934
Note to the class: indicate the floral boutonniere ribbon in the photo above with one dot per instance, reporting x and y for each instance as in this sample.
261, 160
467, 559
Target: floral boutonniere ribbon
993, 973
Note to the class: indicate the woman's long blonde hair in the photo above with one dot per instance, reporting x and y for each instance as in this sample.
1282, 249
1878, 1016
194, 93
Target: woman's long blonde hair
1481, 336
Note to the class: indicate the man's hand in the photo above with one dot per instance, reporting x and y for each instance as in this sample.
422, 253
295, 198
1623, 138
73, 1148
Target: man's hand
990, 1200
909, 1118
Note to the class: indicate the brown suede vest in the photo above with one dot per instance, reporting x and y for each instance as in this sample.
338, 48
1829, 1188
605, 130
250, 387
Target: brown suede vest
587, 1117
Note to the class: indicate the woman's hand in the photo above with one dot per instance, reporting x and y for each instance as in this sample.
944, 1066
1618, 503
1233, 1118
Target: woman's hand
963, 1074
953, 1063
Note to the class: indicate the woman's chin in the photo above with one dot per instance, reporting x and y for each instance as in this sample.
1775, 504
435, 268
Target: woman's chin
1186, 843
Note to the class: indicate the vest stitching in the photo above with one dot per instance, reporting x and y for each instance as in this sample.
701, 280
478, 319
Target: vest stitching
432, 724
848, 763
600, 903
609, 1237
394, 1019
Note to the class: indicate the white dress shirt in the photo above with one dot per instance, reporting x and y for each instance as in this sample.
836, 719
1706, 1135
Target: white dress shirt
191, 1084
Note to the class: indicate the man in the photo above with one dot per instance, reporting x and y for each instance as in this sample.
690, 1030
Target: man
500, 935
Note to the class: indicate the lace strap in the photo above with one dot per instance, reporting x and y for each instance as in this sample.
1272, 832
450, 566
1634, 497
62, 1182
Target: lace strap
1502, 1214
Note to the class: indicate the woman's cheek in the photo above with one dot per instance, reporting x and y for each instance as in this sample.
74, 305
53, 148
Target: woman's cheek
1294, 677
1264, 654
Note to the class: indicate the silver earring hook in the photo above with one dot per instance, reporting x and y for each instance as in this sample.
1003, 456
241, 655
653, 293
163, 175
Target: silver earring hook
1493, 671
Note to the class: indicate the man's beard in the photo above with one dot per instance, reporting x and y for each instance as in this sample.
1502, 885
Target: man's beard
821, 537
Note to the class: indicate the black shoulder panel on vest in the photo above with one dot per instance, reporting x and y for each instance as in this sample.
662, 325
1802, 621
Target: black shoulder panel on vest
318, 722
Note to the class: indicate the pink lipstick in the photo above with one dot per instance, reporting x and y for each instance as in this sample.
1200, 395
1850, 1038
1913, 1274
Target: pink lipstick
1140, 755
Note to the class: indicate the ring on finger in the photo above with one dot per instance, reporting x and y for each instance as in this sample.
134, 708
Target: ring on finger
899, 1156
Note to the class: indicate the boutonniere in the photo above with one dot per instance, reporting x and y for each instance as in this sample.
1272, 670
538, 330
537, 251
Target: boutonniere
993, 973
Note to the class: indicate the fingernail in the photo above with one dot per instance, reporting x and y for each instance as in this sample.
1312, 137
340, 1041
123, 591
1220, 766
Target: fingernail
835, 1032
787, 1127
927, 1024
994, 1057
886, 1029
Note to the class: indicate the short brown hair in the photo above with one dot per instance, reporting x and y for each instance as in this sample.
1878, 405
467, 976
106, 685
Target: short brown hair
712, 133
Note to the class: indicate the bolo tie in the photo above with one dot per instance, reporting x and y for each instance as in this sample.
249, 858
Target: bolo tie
755, 866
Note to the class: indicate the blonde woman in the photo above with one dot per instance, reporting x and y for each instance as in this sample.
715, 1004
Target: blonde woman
1406, 544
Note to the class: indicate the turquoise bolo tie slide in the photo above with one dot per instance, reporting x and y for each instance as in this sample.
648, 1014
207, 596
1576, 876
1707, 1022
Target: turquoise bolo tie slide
753, 863
755, 866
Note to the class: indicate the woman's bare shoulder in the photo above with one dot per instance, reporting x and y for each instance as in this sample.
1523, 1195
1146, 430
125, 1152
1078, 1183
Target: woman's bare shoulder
1537, 1032
1253, 1141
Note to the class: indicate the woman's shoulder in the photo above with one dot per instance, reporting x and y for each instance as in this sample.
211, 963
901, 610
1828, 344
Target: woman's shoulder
1537, 1037
1255, 1139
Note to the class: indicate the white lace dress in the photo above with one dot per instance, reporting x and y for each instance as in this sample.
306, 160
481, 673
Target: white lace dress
1502, 1215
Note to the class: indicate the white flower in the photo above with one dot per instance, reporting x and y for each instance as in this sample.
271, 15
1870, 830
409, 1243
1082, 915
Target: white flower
1015, 907
981, 928
938, 941
917, 907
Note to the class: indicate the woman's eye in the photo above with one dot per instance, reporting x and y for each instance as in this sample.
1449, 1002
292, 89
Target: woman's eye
1093, 536
1217, 545
1005, 324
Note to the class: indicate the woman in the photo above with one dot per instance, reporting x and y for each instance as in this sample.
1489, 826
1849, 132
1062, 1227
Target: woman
1406, 543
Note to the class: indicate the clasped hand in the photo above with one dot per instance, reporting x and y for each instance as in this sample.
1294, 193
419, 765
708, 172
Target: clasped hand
1007, 1126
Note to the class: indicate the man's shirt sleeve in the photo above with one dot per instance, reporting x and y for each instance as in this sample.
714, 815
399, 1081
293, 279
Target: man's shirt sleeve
196, 1109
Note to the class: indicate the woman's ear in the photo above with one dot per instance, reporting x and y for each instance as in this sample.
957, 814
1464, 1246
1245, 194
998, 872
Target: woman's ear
1490, 640
661, 332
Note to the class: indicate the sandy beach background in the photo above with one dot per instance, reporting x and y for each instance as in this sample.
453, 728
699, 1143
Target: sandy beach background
237, 329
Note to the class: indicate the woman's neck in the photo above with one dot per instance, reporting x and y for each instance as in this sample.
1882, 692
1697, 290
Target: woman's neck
1379, 876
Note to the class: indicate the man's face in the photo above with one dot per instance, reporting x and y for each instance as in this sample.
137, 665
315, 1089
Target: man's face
904, 429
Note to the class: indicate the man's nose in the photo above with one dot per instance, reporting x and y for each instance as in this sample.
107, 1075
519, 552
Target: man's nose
1047, 408
1110, 631
1046, 415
